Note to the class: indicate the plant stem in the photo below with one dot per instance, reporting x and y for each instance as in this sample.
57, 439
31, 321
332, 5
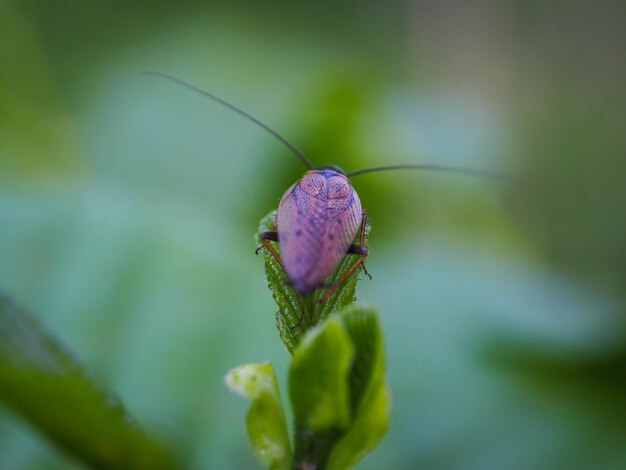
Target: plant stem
313, 449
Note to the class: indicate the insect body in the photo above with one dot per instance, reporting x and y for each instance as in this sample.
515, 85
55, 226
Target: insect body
319, 216
317, 220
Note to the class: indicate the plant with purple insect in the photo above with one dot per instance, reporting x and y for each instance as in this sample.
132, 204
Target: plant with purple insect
338, 394
336, 384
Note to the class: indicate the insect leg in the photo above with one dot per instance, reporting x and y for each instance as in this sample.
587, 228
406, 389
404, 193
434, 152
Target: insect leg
266, 237
366, 273
343, 277
354, 249
273, 236
361, 249
357, 250
363, 225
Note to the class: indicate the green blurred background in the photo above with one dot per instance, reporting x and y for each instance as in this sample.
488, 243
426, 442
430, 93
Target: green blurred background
128, 208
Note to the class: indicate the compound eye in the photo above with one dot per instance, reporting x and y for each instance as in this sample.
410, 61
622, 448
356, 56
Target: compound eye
312, 183
338, 187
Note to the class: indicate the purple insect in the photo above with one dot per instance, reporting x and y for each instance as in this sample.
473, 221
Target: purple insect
319, 216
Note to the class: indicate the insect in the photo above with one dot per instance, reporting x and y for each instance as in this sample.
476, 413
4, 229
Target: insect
317, 219
319, 216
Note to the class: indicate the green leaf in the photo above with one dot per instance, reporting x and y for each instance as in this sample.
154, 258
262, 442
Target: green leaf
362, 324
288, 301
296, 314
318, 379
338, 391
48, 387
267, 428
368, 428
370, 396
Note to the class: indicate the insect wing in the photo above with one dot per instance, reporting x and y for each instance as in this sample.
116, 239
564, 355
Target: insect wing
318, 218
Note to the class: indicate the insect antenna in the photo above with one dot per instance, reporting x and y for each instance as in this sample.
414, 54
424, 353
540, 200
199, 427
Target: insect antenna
206, 94
448, 169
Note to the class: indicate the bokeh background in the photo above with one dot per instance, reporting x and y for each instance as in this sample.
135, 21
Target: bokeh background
128, 208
